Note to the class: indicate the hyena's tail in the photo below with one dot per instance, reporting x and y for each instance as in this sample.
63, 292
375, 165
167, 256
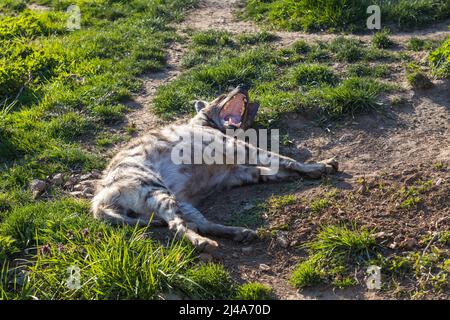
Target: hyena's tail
105, 206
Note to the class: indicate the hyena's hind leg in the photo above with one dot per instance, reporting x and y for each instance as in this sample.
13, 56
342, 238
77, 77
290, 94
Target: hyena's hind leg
115, 209
205, 226
166, 208
312, 170
246, 174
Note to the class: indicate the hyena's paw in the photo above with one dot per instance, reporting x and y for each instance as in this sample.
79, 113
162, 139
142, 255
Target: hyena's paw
331, 166
202, 244
206, 245
317, 170
245, 235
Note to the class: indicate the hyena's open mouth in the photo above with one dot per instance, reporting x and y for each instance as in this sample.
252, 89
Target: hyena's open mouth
236, 110
233, 110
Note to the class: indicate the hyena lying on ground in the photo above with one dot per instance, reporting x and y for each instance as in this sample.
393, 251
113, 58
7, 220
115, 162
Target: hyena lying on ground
142, 181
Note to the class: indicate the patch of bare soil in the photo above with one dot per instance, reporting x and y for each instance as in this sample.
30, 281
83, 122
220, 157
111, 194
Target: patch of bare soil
218, 14
393, 148
140, 117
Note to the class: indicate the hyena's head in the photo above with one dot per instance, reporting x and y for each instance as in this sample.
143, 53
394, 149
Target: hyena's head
228, 111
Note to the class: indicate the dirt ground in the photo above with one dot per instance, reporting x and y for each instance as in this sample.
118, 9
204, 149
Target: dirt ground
399, 145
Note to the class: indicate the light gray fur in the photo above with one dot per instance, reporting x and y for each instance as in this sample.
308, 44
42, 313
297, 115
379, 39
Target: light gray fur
141, 181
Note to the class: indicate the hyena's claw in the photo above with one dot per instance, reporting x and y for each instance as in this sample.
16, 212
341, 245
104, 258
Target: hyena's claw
245, 235
205, 245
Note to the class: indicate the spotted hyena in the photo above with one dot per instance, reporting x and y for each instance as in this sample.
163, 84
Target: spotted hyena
143, 180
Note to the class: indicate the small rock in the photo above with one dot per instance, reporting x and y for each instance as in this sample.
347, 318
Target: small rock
235, 255
346, 137
247, 250
380, 235
293, 243
439, 182
393, 245
77, 194
78, 187
264, 267
37, 187
282, 240
70, 182
58, 179
86, 176
409, 243
205, 257
96, 174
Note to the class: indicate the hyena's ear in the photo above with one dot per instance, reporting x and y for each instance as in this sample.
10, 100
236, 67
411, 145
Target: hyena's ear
199, 105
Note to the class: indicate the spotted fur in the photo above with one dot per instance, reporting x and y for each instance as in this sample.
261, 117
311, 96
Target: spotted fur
142, 183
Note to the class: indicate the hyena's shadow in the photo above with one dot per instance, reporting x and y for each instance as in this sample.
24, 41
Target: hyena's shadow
254, 206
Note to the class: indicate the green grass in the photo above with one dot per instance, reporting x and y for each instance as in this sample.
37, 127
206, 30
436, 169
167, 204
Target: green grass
365, 70
352, 96
59, 93
255, 38
275, 203
213, 38
57, 87
349, 15
293, 79
381, 39
307, 274
254, 291
440, 60
412, 196
419, 272
340, 242
419, 80
418, 44
352, 50
314, 75
319, 205
346, 49
209, 281
333, 255
115, 263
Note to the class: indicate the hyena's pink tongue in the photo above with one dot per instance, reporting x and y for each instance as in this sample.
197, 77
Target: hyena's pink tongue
234, 120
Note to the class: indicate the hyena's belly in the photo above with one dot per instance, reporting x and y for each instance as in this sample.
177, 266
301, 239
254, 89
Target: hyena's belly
192, 183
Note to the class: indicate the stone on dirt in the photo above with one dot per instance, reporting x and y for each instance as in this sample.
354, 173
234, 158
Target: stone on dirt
37, 187
58, 179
